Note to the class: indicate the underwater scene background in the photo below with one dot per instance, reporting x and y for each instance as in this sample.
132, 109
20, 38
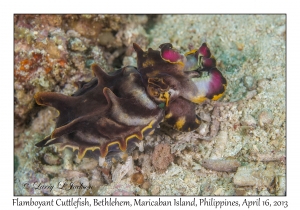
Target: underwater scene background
239, 147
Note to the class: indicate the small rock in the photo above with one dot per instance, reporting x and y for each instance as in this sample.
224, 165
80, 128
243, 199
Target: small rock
106, 38
129, 61
219, 191
281, 30
146, 185
70, 174
140, 145
252, 176
102, 162
270, 156
220, 145
123, 189
203, 129
141, 192
52, 159
261, 85
155, 190
265, 117
88, 164
72, 33
249, 82
248, 120
76, 44
137, 178
265, 192
240, 46
240, 191
122, 192
135, 155
68, 159
204, 116
84, 181
280, 185
215, 124
96, 180
106, 175
162, 157
145, 162
250, 94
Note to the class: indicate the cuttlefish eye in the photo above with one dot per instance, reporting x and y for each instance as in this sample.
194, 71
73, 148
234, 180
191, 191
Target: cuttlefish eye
160, 95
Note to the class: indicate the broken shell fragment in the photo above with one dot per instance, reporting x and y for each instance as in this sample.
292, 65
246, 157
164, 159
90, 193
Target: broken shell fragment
51, 169
68, 159
122, 170
220, 145
229, 165
205, 117
280, 185
248, 121
251, 175
203, 129
265, 117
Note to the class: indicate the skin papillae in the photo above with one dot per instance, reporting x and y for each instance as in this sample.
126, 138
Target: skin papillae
113, 112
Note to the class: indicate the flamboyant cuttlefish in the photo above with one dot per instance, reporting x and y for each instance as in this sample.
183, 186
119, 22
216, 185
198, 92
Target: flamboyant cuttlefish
113, 112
